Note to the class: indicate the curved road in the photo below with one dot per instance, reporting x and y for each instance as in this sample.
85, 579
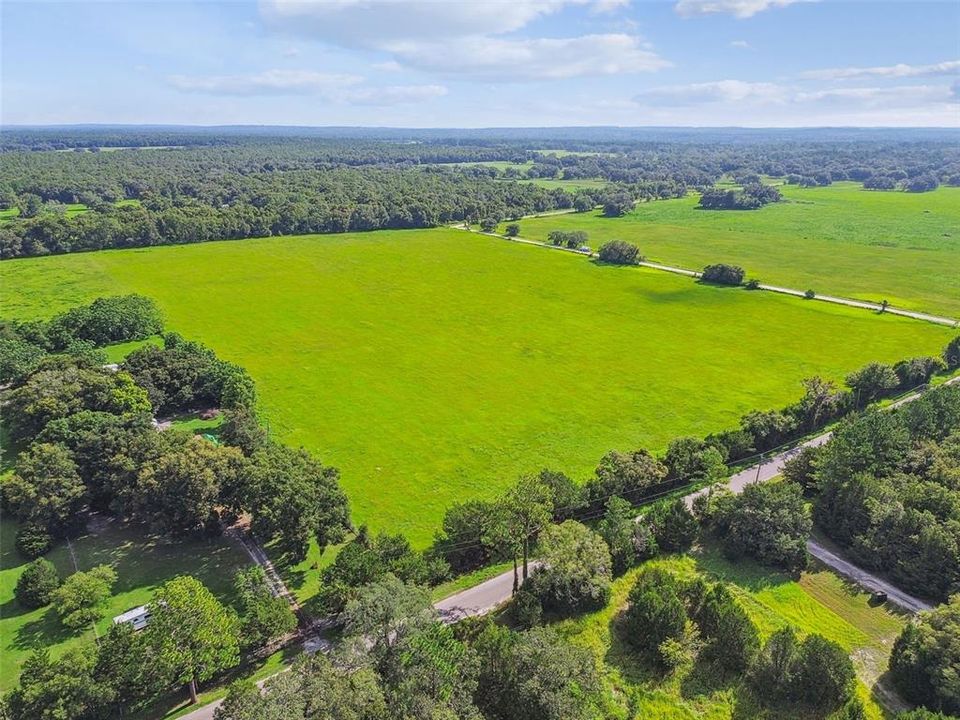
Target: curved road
485, 597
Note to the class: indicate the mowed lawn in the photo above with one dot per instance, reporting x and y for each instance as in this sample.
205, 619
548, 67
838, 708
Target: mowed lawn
815, 602
842, 240
436, 366
142, 562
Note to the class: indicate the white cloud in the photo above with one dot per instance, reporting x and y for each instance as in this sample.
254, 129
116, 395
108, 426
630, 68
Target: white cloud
509, 60
737, 8
291, 52
269, 82
902, 96
370, 23
721, 91
393, 94
387, 66
743, 44
901, 70
345, 89
451, 37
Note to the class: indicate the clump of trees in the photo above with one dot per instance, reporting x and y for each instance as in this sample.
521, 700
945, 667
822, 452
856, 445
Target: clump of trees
90, 445
25, 346
815, 674
886, 489
925, 658
573, 239
674, 623
619, 252
749, 197
36, 584
767, 521
723, 274
575, 573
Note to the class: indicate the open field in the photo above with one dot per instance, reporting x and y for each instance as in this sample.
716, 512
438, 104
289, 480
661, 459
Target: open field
569, 185
433, 366
839, 240
818, 601
142, 563
70, 210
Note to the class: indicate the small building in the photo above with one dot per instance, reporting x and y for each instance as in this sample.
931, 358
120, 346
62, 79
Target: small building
137, 617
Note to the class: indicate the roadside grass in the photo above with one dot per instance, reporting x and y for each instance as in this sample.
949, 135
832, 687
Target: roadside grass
841, 240
816, 601
435, 366
462, 582
142, 561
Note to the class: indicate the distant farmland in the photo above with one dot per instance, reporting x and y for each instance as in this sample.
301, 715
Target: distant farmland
843, 240
434, 366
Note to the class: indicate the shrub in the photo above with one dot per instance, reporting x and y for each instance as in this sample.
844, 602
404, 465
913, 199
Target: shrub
752, 284
809, 294
33, 540
488, 225
576, 571
926, 656
525, 608
512, 230
674, 526
723, 274
79, 599
620, 252
36, 584
951, 354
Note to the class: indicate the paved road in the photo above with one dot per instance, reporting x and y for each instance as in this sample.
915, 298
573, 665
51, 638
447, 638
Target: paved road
865, 579
482, 598
478, 600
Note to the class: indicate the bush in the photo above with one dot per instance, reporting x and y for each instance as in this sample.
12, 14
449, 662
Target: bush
576, 571
926, 656
674, 526
525, 608
767, 521
620, 252
488, 225
752, 284
80, 598
512, 230
36, 584
572, 239
723, 274
33, 540
951, 354
809, 294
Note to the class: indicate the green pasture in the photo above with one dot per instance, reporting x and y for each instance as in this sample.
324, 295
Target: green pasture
841, 240
432, 366
815, 602
142, 561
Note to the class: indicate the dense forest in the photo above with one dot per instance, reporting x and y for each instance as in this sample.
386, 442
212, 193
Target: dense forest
141, 187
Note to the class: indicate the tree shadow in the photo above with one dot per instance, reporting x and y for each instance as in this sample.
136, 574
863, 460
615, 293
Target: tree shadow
744, 572
706, 678
43, 632
632, 663
12, 608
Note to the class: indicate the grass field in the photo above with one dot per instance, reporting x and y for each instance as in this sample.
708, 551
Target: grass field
569, 185
434, 366
142, 562
839, 240
818, 601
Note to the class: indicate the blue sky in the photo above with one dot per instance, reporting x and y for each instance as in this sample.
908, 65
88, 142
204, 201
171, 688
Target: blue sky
473, 64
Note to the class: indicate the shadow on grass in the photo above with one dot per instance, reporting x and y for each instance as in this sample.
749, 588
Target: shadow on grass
746, 573
12, 608
42, 632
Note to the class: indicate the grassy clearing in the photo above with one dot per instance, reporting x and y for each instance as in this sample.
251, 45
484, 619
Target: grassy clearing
434, 366
116, 353
569, 185
836, 240
143, 562
817, 601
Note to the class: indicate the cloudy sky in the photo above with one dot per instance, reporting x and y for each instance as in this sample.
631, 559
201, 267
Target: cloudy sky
483, 63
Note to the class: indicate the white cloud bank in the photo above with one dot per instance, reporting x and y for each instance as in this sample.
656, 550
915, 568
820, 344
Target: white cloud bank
347, 89
901, 70
465, 38
737, 8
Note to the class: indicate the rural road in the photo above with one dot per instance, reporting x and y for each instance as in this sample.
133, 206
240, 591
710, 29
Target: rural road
481, 599
862, 304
